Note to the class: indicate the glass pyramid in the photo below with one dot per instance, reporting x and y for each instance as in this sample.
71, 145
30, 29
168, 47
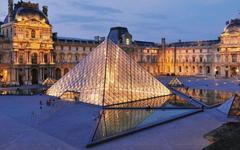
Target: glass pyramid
118, 122
175, 82
108, 76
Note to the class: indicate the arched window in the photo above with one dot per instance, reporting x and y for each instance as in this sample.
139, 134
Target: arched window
58, 73
20, 59
69, 59
33, 34
180, 69
200, 69
34, 58
208, 70
45, 58
76, 57
66, 71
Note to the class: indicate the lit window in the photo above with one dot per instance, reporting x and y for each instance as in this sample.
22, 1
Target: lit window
45, 58
127, 41
21, 59
33, 34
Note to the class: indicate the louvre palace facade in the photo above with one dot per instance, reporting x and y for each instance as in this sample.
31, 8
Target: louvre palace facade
30, 52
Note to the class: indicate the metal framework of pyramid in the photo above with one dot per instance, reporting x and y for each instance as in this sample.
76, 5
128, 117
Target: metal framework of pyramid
175, 82
231, 107
108, 76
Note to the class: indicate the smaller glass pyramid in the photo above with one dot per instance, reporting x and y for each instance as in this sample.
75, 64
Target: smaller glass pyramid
175, 82
108, 76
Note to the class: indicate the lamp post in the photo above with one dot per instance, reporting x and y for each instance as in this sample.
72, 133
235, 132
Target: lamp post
215, 72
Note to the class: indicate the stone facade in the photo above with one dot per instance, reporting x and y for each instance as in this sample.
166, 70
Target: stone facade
30, 52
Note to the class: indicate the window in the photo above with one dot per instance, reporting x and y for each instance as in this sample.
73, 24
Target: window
208, 70
154, 59
76, 58
234, 58
180, 69
45, 58
218, 58
127, 41
193, 59
200, 69
209, 58
20, 59
33, 34
186, 58
201, 59
148, 58
34, 58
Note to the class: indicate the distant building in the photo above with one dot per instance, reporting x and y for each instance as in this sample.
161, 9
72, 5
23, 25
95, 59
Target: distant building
30, 52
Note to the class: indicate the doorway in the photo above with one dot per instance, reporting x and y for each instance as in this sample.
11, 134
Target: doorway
34, 76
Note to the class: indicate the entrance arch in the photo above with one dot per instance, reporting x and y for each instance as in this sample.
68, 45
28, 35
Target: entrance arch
58, 73
66, 71
34, 76
233, 71
20, 80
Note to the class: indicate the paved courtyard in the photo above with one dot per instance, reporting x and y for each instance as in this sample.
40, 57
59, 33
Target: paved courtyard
67, 126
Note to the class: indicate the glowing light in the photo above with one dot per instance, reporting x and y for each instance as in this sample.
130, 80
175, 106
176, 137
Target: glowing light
109, 77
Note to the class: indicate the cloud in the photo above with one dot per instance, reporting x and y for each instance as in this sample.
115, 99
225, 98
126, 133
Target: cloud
66, 18
151, 16
100, 10
146, 19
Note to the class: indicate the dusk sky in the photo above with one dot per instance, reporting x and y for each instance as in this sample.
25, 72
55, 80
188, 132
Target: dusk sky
148, 20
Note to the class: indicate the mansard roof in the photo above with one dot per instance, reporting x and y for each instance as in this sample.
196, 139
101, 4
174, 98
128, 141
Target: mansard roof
195, 43
75, 40
26, 9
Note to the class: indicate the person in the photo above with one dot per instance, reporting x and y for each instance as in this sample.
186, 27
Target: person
40, 102
33, 114
76, 99
41, 107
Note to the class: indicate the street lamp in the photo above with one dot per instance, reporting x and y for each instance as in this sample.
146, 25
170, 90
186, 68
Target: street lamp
215, 71
237, 71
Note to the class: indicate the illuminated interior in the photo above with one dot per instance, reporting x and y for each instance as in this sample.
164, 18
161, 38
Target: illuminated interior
108, 76
175, 82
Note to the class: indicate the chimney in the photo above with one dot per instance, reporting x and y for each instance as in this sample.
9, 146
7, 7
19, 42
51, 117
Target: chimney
55, 36
227, 22
45, 10
10, 10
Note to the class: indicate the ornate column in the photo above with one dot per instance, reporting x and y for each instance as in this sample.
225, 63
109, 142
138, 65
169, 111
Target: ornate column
16, 57
51, 57
40, 61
